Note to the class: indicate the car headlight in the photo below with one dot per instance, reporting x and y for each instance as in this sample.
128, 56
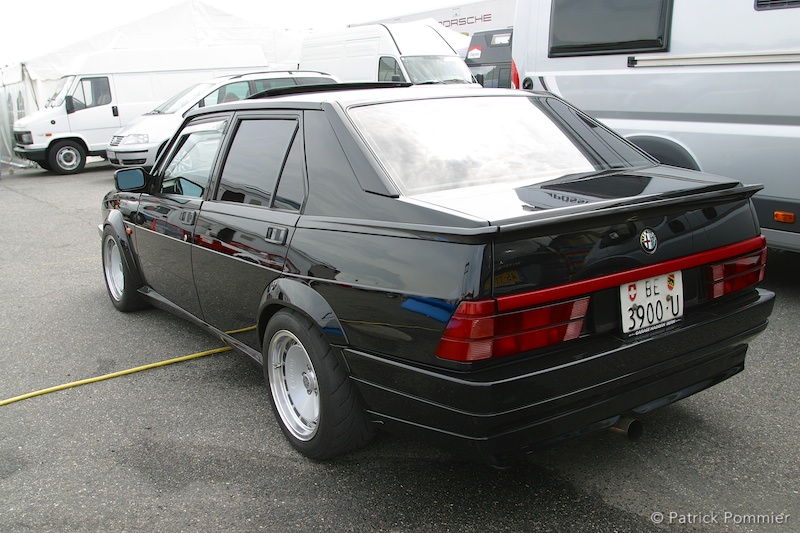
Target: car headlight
25, 138
135, 138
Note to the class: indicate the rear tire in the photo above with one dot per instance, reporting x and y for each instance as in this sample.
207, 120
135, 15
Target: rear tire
314, 401
67, 157
118, 278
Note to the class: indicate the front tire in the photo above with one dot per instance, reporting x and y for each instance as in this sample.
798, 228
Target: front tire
118, 277
314, 401
67, 157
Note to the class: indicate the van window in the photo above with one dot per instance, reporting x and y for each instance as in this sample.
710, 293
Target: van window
761, 5
92, 92
599, 27
389, 70
228, 93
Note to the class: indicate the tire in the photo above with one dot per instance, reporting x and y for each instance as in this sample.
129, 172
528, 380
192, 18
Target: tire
66, 157
118, 278
314, 401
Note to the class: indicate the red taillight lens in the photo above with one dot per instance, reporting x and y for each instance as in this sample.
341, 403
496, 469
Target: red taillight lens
735, 274
476, 330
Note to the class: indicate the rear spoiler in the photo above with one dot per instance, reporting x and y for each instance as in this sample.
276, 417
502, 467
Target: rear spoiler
635, 208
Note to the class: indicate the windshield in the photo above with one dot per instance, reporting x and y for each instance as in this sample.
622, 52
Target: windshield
451, 143
61, 91
437, 69
188, 96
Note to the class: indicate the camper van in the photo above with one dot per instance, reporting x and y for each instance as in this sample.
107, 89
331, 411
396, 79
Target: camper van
489, 57
700, 84
408, 52
108, 89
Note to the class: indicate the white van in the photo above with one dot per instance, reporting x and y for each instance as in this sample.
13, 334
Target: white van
406, 52
701, 84
110, 88
138, 143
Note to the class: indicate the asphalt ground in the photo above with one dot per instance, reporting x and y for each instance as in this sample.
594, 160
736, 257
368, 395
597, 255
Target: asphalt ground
194, 446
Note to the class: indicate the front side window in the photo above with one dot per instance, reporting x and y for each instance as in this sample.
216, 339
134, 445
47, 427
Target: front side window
188, 171
256, 159
91, 92
599, 27
389, 70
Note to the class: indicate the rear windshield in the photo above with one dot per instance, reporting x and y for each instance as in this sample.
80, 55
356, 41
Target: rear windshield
451, 143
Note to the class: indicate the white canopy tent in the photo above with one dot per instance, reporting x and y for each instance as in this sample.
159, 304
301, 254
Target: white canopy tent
25, 87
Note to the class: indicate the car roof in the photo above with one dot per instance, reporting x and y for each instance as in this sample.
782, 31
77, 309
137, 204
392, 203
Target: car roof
350, 94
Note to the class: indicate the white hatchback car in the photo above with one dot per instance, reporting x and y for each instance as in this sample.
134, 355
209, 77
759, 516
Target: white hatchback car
138, 143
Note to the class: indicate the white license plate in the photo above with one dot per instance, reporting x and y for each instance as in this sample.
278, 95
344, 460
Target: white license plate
651, 304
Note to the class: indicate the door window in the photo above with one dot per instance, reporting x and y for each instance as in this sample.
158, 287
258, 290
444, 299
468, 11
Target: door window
257, 158
389, 70
188, 171
91, 92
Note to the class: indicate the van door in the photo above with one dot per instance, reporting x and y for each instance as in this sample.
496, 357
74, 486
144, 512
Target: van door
93, 114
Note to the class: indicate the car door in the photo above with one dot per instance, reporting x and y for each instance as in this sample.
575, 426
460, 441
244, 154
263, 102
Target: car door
94, 112
165, 221
243, 232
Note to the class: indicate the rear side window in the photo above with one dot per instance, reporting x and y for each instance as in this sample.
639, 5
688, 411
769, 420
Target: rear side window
599, 27
762, 5
255, 161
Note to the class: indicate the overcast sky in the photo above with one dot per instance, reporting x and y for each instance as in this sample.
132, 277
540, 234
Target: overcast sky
35, 27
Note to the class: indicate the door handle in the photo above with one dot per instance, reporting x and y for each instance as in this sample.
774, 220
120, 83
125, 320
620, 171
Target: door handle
276, 235
114, 110
187, 217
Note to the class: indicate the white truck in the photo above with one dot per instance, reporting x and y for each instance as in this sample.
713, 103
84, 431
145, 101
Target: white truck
110, 88
701, 84
407, 52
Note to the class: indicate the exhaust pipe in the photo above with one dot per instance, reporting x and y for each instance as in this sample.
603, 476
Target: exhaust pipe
629, 428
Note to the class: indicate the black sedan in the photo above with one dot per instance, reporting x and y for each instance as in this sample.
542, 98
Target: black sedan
490, 270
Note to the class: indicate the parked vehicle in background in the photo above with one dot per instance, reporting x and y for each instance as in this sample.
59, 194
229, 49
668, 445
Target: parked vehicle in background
138, 143
692, 90
389, 268
407, 52
107, 90
489, 57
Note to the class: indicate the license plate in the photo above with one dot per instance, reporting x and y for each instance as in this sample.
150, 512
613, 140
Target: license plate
110, 155
651, 304
507, 278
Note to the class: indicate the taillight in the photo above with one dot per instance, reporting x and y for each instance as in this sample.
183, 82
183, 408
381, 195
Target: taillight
478, 330
735, 274
514, 75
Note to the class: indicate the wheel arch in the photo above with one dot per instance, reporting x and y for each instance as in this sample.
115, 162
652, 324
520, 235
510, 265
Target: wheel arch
76, 139
287, 293
114, 221
667, 151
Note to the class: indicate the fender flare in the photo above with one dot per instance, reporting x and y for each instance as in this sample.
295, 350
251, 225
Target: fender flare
299, 295
667, 151
116, 222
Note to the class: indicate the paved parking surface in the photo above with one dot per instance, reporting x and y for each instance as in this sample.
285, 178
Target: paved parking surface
194, 446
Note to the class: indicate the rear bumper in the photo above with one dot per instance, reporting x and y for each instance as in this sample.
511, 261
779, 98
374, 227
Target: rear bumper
507, 411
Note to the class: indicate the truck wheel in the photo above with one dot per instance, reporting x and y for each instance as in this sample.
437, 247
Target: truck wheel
314, 400
67, 157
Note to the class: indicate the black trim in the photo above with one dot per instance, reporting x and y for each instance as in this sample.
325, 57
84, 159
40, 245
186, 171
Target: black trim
320, 88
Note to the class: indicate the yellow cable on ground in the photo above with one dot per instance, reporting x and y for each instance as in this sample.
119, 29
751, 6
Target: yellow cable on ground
114, 375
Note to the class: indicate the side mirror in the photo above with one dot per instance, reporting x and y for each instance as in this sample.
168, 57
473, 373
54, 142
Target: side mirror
69, 104
129, 179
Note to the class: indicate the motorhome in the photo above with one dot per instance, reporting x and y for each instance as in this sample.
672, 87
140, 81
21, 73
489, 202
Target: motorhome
700, 84
408, 52
489, 57
108, 89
